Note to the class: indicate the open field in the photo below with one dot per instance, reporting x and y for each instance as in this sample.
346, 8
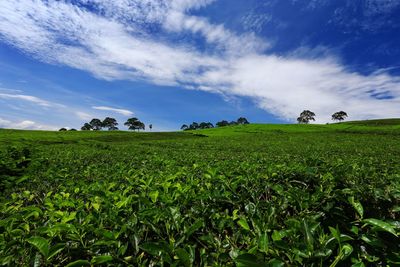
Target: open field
254, 195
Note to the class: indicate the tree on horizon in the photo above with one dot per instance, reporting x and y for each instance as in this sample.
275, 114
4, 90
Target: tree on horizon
206, 125
134, 124
339, 116
222, 123
194, 126
86, 127
96, 124
110, 123
242, 121
306, 116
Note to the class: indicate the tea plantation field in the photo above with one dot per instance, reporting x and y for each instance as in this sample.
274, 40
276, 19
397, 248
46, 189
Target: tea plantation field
255, 195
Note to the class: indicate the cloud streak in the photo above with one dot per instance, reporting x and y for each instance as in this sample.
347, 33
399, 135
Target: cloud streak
124, 112
28, 98
114, 42
25, 125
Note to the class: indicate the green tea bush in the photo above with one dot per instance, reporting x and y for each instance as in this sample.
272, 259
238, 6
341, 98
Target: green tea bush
266, 199
13, 163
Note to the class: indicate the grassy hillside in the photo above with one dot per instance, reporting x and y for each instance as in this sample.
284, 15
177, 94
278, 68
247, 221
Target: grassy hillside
255, 195
389, 126
380, 122
384, 126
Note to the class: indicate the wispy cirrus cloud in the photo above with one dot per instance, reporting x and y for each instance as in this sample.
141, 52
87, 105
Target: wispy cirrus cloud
25, 125
29, 98
83, 115
124, 112
114, 42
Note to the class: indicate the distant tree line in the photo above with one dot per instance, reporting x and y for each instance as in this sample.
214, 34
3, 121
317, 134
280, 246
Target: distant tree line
208, 125
306, 116
135, 124
65, 129
110, 124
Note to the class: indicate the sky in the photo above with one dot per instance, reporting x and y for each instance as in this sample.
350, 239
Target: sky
172, 62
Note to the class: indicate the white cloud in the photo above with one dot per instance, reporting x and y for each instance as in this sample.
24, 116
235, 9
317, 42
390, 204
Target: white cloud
124, 112
214, 34
83, 115
114, 43
25, 125
379, 7
28, 98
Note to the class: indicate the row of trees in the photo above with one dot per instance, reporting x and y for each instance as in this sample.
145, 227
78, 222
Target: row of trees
135, 124
208, 125
196, 126
111, 124
306, 116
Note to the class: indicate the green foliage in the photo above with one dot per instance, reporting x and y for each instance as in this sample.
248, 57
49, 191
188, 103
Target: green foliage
306, 116
134, 124
86, 127
339, 116
110, 124
13, 163
196, 126
96, 124
247, 195
209, 125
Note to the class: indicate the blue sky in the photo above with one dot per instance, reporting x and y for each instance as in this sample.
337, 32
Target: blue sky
177, 61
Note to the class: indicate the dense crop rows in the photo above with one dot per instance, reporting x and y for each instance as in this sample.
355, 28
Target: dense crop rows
271, 198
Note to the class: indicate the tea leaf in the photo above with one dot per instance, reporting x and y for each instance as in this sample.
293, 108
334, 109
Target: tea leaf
243, 223
384, 226
40, 244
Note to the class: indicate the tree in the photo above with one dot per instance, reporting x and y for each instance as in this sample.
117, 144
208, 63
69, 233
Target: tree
86, 127
233, 123
184, 127
110, 123
151, 127
306, 116
206, 125
72, 129
222, 123
62, 130
134, 124
194, 126
96, 124
242, 120
339, 116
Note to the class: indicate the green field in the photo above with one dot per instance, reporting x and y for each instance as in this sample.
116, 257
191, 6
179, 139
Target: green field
253, 195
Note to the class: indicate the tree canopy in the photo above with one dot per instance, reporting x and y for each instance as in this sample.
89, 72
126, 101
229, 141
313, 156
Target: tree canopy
96, 124
86, 127
306, 116
222, 123
110, 123
242, 120
134, 124
339, 116
194, 126
208, 125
